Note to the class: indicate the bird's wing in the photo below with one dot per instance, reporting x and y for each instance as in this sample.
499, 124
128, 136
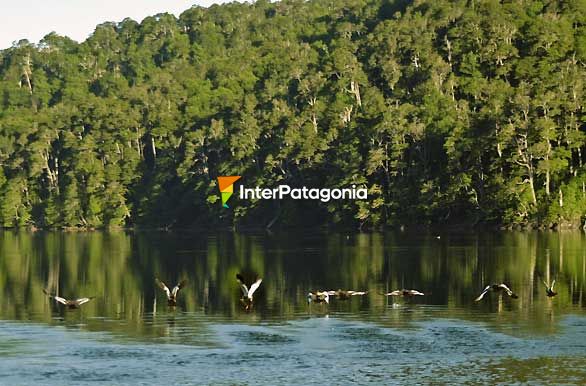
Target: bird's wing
81, 301
331, 293
179, 285
60, 300
243, 286
394, 293
415, 292
358, 293
254, 287
507, 289
164, 287
552, 284
479, 298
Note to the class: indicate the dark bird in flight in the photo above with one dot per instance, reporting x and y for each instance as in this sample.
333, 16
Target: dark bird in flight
345, 295
247, 293
549, 289
496, 288
318, 297
71, 304
171, 294
405, 293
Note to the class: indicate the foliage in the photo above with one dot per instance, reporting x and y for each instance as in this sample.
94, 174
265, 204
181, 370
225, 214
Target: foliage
447, 111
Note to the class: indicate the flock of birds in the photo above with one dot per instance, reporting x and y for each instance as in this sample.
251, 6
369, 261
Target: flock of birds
312, 297
324, 296
246, 298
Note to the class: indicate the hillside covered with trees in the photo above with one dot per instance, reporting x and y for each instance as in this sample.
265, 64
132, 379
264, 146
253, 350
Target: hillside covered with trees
448, 111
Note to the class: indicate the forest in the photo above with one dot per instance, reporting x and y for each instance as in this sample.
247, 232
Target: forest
448, 112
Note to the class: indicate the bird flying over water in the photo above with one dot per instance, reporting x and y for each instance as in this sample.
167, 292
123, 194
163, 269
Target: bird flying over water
549, 289
496, 288
171, 294
71, 304
344, 295
318, 297
404, 292
247, 293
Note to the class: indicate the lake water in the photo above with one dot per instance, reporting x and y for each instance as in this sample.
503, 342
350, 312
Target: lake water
128, 335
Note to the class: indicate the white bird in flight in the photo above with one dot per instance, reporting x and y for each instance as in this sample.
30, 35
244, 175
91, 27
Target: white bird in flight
496, 288
171, 294
71, 304
318, 297
247, 293
404, 292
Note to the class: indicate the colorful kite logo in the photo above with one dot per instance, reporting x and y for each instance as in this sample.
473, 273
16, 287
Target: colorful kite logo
226, 185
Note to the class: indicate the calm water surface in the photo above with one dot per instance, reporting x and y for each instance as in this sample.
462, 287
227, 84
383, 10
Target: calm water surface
128, 334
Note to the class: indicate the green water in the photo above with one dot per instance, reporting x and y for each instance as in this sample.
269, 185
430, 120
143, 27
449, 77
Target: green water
128, 334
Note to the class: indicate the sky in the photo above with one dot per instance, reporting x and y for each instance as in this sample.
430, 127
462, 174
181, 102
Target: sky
77, 19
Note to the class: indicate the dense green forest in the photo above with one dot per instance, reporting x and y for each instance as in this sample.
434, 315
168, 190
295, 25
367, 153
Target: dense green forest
448, 111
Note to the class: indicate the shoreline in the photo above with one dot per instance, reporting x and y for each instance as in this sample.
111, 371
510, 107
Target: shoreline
431, 228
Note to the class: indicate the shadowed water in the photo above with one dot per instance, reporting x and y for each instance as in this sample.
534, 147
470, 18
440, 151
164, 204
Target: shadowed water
128, 334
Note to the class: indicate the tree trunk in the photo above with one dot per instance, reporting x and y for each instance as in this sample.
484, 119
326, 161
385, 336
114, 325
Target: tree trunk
138, 143
26, 71
153, 147
355, 89
532, 186
547, 173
